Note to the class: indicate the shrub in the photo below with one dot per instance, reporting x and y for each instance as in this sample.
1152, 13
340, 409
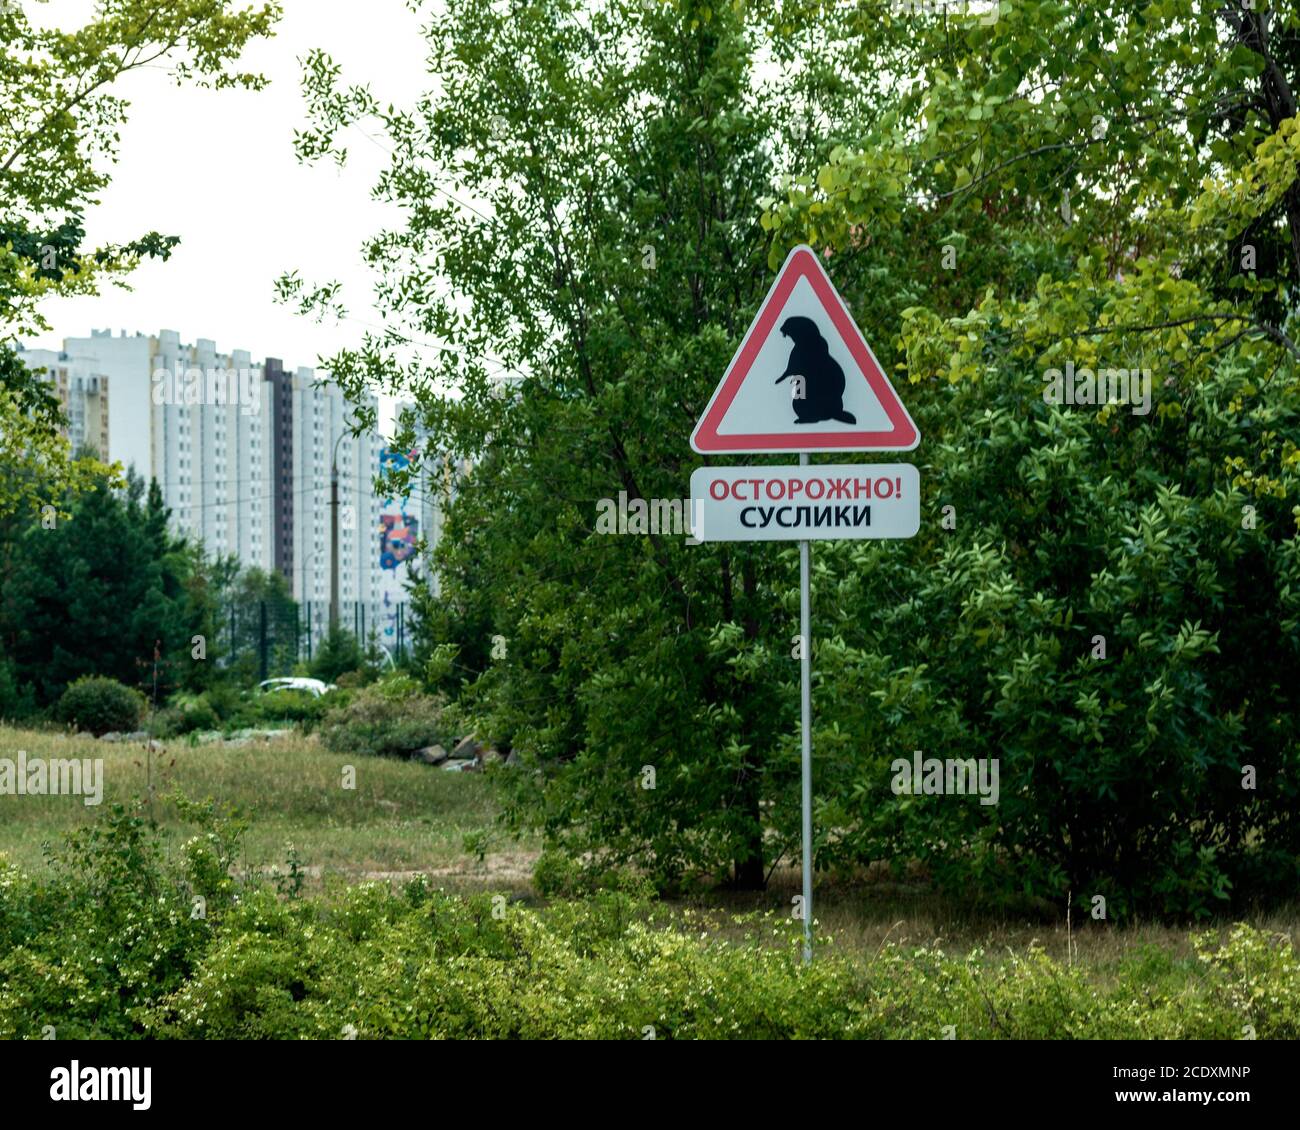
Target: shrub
556, 875
185, 714
392, 718
114, 890
372, 961
226, 700
235, 708
98, 705
1066, 630
419, 963
292, 706
337, 653
1255, 977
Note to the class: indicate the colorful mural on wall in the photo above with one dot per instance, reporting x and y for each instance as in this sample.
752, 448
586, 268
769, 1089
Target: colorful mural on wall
398, 533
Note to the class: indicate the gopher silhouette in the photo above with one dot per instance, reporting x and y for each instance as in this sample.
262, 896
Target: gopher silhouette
823, 397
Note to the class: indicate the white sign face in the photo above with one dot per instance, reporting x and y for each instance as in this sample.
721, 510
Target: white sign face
856, 501
804, 378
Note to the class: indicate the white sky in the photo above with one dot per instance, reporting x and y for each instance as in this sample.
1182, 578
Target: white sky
217, 168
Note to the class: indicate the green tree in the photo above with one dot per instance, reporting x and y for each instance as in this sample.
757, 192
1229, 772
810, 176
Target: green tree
338, 652
93, 594
58, 131
595, 198
244, 595
602, 266
1101, 186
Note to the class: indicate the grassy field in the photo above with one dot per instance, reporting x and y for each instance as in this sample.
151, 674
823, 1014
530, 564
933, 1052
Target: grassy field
401, 817
404, 818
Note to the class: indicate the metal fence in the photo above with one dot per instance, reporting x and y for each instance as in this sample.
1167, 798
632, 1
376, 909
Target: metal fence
270, 638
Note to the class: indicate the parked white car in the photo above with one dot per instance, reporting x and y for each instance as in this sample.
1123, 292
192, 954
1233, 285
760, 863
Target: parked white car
313, 687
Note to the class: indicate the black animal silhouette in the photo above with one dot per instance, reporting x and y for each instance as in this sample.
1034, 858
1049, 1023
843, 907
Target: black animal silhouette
823, 379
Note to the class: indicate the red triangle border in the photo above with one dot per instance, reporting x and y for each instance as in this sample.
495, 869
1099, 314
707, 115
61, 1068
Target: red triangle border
802, 262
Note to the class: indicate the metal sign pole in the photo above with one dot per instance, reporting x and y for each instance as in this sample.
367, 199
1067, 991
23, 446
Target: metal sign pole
842, 382
805, 680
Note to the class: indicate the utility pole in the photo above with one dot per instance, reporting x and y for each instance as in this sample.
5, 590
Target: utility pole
334, 536
306, 599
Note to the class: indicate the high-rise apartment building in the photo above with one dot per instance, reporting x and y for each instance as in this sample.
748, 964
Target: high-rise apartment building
320, 422
82, 394
211, 451
242, 452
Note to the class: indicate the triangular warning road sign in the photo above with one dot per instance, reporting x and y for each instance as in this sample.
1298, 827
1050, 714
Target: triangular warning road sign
804, 378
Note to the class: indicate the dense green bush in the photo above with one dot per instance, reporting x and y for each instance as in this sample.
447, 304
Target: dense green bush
116, 944
235, 708
227, 708
303, 709
556, 875
392, 717
445, 968
1105, 623
185, 714
225, 699
117, 927
338, 653
97, 705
